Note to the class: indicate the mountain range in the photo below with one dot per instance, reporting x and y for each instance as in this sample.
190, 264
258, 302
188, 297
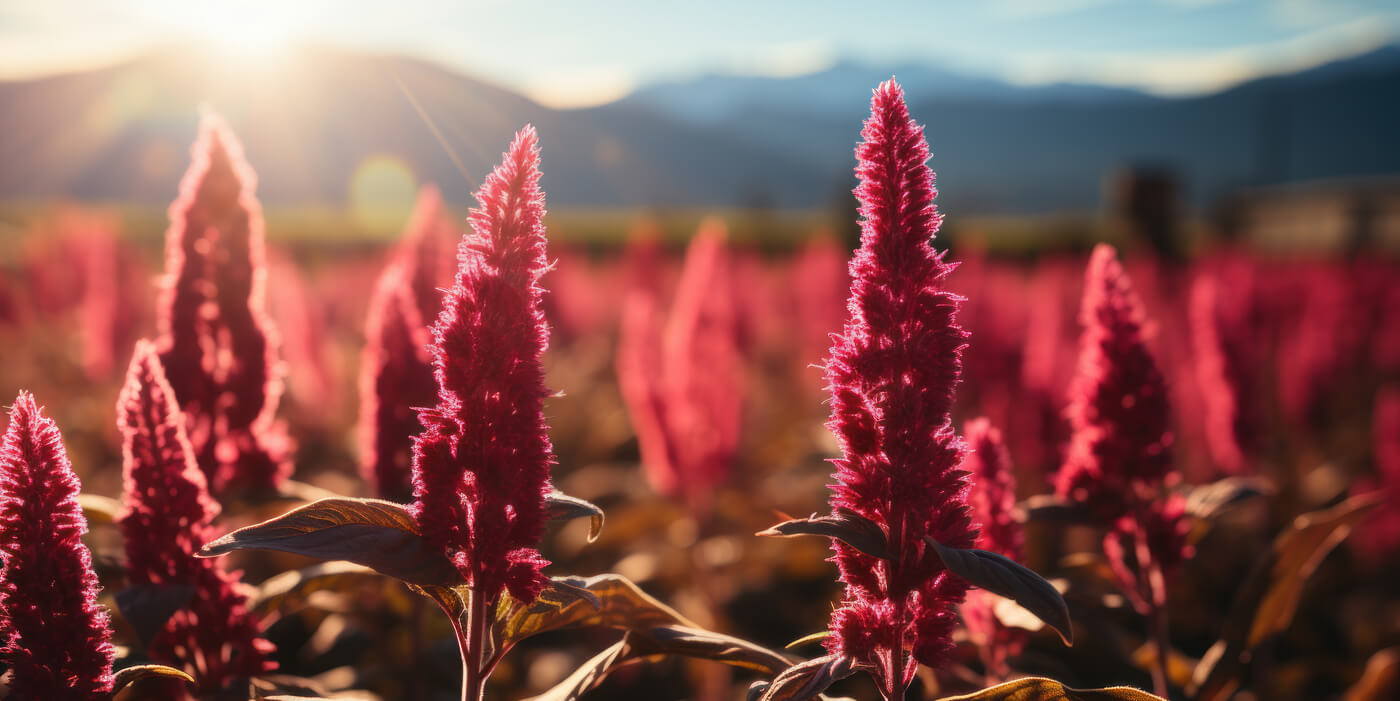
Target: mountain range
122, 132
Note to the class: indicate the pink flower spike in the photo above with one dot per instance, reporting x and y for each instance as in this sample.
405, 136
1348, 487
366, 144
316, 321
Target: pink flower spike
167, 517
892, 374
993, 500
481, 464
57, 640
217, 343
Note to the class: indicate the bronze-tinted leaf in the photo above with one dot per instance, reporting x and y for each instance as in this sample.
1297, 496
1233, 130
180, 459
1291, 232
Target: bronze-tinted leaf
804, 680
605, 600
844, 525
378, 534
1269, 597
1005, 577
148, 608
126, 677
808, 639
1380, 680
1053, 509
665, 640
562, 507
99, 509
277, 591
1042, 689
1209, 500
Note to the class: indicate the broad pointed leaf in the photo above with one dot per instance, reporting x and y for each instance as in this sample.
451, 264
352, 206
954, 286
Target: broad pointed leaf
605, 600
844, 525
804, 680
130, 675
1265, 604
148, 608
1210, 500
1042, 689
1005, 577
378, 534
1053, 509
562, 507
276, 592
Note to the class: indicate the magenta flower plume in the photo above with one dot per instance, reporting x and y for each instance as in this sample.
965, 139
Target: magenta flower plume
428, 252
396, 375
892, 375
217, 344
992, 500
481, 464
682, 379
57, 642
167, 517
1120, 452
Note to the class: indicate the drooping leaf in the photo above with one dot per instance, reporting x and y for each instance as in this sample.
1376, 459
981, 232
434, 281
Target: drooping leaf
1265, 604
1005, 577
605, 600
148, 608
562, 507
1210, 500
804, 680
665, 640
131, 675
274, 593
1053, 509
378, 534
1042, 689
844, 525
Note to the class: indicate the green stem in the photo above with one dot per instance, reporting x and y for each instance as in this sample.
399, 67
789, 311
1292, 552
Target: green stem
473, 676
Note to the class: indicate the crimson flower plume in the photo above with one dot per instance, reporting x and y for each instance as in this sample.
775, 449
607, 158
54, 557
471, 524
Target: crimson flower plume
481, 463
57, 641
396, 375
992, 500
892, 374
167, 516
217, 343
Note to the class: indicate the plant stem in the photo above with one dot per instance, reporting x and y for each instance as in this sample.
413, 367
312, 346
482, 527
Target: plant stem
473, 677
1154, 594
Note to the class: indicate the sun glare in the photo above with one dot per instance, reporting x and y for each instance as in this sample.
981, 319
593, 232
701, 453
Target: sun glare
248, 29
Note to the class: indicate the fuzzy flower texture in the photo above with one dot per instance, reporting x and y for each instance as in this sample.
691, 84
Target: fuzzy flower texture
892, 375
481, 464
167, 516
217, 343
57, 643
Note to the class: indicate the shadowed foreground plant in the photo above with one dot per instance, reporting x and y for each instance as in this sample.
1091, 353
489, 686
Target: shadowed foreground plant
167, 516
57, 642
481, 475
901, 529
216, 341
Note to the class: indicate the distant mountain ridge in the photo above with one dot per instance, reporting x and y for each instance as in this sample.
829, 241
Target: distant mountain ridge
122, 132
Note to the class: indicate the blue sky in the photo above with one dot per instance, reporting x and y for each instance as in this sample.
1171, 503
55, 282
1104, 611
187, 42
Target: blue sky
582, 51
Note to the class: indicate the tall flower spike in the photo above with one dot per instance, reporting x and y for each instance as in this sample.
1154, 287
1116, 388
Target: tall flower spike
1217, 376
57, 642
1118, 409
481, 464
892, 375
217, 344
992, 499
396, 375
167, 517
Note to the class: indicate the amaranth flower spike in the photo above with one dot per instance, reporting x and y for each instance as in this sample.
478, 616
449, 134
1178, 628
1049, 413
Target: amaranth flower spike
57, 642
892, 375
481, 464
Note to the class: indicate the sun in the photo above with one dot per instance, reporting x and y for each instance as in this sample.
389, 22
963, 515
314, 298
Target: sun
247, 29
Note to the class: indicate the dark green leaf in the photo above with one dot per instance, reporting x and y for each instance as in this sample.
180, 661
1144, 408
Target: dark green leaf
804, 680
131, 675
1042, 689
562, 507
148, 608
844, 525
1005, 577
1265, 604
378, 534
